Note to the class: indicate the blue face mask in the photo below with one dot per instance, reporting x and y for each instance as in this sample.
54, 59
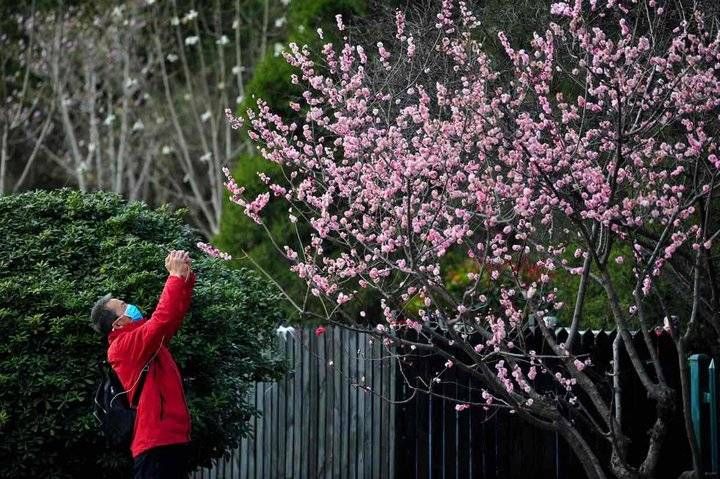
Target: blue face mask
133, 312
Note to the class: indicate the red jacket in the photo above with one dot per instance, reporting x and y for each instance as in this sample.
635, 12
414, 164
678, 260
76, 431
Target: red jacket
162, 414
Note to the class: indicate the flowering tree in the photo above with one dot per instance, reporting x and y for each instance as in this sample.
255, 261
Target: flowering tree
601, 134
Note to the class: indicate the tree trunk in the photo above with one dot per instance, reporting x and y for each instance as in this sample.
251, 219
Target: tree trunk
583, 451
3, 159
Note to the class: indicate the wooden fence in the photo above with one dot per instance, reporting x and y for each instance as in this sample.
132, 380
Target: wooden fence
328, 418
441, 443
319, 423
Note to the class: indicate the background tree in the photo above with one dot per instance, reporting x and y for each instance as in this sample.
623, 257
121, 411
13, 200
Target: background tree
425, 146
60, 251
128, 96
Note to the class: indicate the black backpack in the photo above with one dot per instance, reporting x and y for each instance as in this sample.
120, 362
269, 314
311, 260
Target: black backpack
113, 410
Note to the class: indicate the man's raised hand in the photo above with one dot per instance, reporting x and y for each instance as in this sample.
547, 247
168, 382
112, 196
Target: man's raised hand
178, 263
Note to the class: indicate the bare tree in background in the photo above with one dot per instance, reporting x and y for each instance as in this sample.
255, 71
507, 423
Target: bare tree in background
132, 99
20, 113
205, 63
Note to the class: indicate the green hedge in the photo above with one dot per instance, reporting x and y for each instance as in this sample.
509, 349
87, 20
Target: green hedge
59, 251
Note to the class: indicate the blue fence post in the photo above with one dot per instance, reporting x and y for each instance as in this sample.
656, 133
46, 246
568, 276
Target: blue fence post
704, 409
697, 367
712, 400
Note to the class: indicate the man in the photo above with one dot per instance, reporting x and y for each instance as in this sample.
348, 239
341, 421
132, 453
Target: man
162, 424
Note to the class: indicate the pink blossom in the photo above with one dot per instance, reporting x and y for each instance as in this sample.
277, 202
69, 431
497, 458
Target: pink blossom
416, 325
253, 208
579, 364
399, 24
235, 121
385, 55
561, 8
487, 397
212, 251
410, 47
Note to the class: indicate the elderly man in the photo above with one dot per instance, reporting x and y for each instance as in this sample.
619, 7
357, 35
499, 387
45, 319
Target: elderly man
162, 424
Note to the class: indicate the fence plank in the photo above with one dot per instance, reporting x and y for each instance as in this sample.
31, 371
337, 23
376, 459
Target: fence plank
449, 447
242, 458
298, 405
321, 380
306, 412
360, 394
311, 405
369, 398
352, 406
289, 434
337, 402
345, 395
392, 388
422, 413
280, 428
276, 439
267, 432
376, 404
256, 425
409, 451
469, 425
328, 412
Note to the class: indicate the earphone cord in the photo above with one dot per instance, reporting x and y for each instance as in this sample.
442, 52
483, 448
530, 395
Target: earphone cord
147, 365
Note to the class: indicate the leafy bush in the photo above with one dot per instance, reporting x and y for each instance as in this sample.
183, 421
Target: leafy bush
61, 250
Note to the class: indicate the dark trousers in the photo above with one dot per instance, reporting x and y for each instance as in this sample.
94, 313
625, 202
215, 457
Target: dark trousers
164, 462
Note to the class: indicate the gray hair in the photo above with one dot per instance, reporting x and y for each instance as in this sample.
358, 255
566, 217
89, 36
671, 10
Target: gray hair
101, 317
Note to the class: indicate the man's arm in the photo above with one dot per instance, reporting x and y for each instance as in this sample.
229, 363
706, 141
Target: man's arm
141, 343
184, 299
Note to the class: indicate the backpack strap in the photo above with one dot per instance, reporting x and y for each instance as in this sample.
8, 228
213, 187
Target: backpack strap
97, 401
141, 383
